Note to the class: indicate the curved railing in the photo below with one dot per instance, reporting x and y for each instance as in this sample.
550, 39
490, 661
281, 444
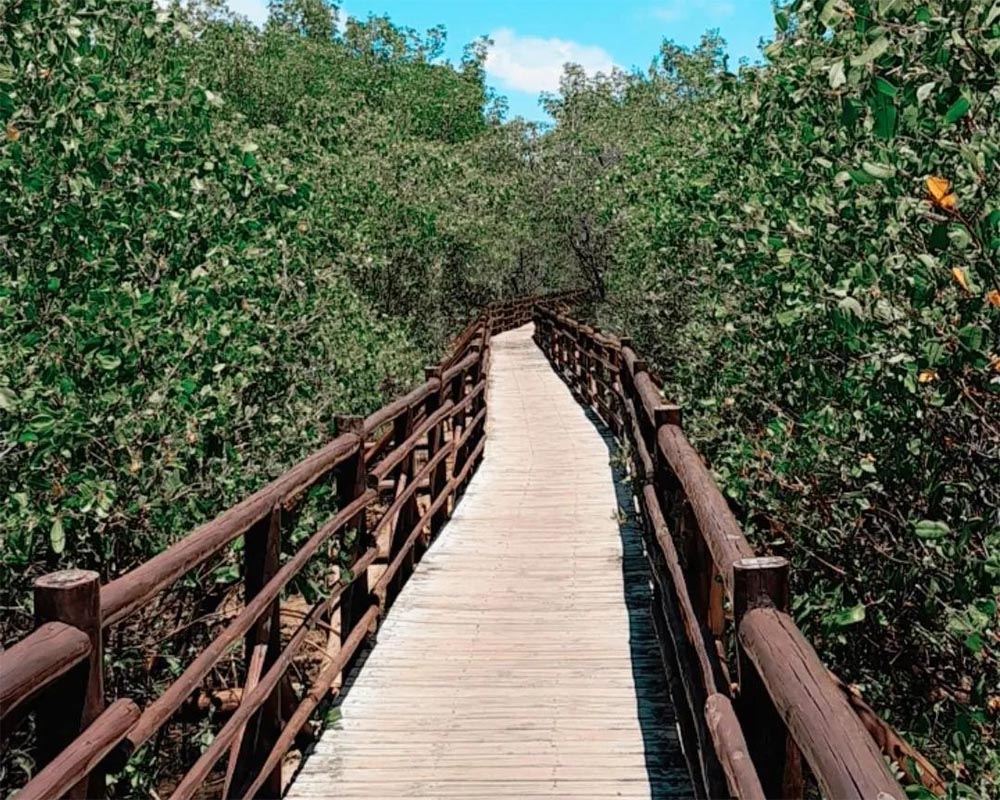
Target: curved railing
749, 723
396, 475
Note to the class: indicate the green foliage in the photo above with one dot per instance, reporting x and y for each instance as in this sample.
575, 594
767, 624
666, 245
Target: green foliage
214, 239
772, 242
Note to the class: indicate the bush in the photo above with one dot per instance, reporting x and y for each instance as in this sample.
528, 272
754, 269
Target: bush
809, 251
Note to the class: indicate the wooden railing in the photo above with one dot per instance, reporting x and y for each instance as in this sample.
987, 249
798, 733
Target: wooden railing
746, 721
396, 476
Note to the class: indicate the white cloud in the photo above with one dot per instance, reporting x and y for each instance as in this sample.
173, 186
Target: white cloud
254, 10
533, 64
678, 10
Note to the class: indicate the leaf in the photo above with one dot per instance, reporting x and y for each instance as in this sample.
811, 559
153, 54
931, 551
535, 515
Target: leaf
924, 91
872, 52
831, 15
885, 117
849, 616
960, 277
881, 171
884, 87
930, 530
57, 536
958, 110
108, 362
852, 306
42, 423
941, 194
838, 76
8, 400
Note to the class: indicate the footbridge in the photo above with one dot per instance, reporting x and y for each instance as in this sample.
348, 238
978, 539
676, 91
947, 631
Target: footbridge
519, 580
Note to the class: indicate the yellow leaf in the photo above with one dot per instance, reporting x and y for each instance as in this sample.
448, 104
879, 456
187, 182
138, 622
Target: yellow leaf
927, 376
993, 298
960, 278
941, 194
13, 134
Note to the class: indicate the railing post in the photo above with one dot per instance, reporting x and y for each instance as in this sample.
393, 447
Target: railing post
577, 359
73, 597
352, 477
261, 560
435, 441
459, 421
764, 582
593, 365
402, 429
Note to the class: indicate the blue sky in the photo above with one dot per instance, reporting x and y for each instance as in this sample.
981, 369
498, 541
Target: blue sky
535, 37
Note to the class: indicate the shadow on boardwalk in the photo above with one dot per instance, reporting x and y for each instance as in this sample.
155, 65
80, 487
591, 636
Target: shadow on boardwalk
668, 776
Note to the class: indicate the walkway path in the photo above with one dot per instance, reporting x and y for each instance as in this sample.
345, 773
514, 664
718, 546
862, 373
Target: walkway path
519, 660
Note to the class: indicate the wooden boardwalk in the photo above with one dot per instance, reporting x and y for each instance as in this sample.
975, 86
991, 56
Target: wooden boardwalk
519, 660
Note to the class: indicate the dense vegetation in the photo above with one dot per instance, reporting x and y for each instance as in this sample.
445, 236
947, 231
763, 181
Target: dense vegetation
810, 251
215, 237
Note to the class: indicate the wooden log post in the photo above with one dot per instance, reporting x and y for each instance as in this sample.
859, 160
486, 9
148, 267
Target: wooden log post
761, 582
614, 392
408, 515
261, 560
435, 441
459, 421
566, 351
352, 482
83, 756
626, 389
481, 372
67, 708
594, 366
579, 366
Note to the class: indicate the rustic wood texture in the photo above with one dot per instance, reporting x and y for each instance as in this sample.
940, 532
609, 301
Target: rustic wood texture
519, 659
81, 758
73, 597
732, 747
38, 661
844, 758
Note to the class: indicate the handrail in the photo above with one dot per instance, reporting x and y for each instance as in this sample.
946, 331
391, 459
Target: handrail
709, 587
814, 710
424, 447
77, 761
124, 596
38, 660
435, 432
